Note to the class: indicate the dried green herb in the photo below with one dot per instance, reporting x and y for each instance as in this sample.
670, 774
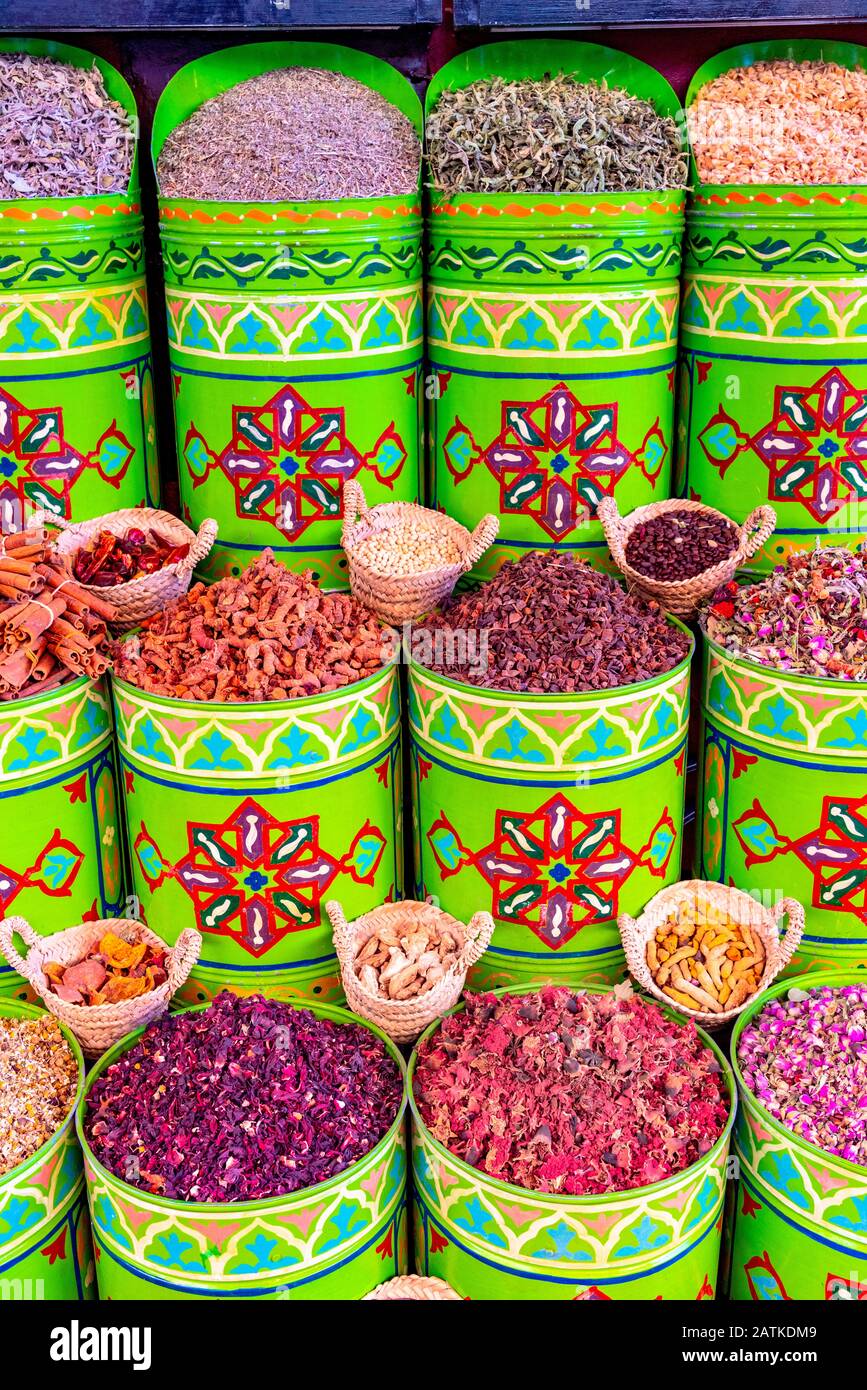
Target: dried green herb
552, 135
61, 135
293, 135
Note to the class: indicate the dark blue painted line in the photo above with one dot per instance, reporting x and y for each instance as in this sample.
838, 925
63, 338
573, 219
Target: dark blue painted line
561, 955
71, 1216
85, 371
45, 1238
289, 549
518, 778
251, 378
832, 359
208, 1292
66, 776
448, 1233
802, 1230
561, 545
245, 788
227, 969
562, 375
829, 766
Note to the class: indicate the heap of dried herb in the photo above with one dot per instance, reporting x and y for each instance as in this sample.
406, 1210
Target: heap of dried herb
61, 135
38, 1081
572, 1093
551, 135
292, 135
247, 1099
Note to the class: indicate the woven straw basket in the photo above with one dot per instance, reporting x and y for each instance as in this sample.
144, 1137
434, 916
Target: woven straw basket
139, 598
681, 596
401, 598
741, 908
98, 1026
416, 1288
404, 1019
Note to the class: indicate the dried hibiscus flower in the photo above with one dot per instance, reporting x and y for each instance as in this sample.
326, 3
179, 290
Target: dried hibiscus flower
567, 1092
247, 1099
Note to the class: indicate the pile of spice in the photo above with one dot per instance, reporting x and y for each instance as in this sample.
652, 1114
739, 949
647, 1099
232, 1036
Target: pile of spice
405, 961
549, 623
551, 135
113, 970
61, 135
38, 1080
416, 543
50, 629
247, 1099
680, 544
292, 135
809, 616
704, 959
267, 634
782, 122
572, 1093
108, 559
805, 1058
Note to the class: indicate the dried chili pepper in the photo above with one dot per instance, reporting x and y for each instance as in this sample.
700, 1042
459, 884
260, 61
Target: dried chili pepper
108, 559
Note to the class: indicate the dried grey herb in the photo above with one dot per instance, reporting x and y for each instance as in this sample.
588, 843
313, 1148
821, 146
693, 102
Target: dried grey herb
551, 135
61, 135
293, 135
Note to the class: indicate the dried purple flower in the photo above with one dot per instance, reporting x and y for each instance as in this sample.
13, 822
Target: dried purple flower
247, 1099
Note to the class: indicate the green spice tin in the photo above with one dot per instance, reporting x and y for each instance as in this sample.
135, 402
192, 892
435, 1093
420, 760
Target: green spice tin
336, 1240
244, 819
77, 432
800, 1229
553, 812
61, 857
552, 332
491, 1240
774, 367
295, 339
45, 1248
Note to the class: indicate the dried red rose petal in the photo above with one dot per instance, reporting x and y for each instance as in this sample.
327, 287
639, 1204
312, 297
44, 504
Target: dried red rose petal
249, 1098
572, 1093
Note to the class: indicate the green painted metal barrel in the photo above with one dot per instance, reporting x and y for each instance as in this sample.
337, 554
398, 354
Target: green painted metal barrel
774, 353
295, 339
800, 1226
783, 802
60, 859
77, 432
244, 818
553, 812
491, 1240
336, 1240
552, 332
45, 1249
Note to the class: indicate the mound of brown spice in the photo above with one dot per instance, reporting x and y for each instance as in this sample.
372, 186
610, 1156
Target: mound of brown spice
294, 135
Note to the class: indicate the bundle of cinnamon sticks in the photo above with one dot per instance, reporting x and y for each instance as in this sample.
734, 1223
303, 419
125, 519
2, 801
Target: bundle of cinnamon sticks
50, 628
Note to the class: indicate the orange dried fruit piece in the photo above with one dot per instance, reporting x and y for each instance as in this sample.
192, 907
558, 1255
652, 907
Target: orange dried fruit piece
120, 954
117, 989
54, 970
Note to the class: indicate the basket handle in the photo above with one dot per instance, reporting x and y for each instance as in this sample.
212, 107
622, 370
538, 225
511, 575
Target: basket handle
482, 539
615, 530
630, 935
199, 549
340, 932
183, 957
12, 926
480, 929
355, 510
758, 526
790, 940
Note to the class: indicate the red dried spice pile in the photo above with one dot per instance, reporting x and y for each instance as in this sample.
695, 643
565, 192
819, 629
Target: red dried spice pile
113, 970
267, 634
108, 559
249, 1098
548, 623
572, 1093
